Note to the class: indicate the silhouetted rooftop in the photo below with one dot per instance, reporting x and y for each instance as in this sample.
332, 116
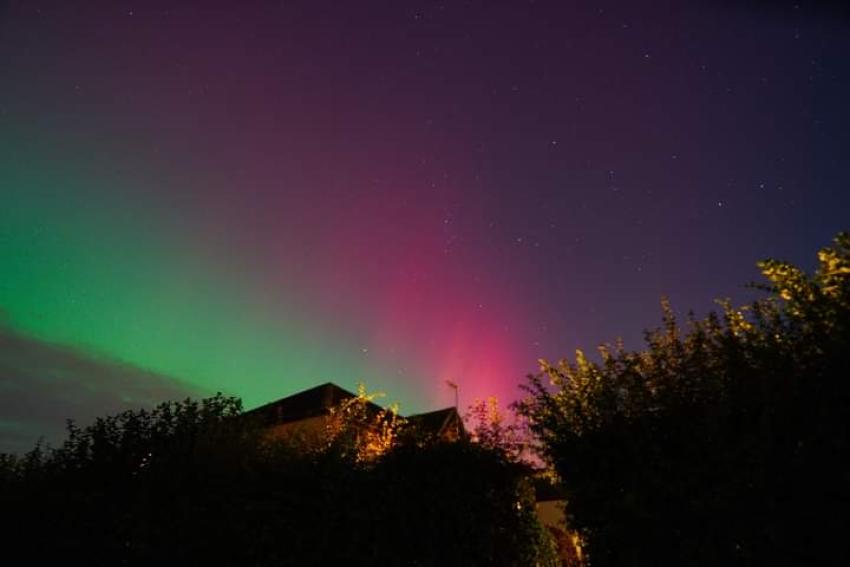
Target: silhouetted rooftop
320, 399
309, 403
437, 421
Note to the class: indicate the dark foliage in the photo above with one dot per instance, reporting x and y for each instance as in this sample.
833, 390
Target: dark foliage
721, 443
198, 484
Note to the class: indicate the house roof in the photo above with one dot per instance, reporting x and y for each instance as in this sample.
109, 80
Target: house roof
436, 422
320, 399
309, 403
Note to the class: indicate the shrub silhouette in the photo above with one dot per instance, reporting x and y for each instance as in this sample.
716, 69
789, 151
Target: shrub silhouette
199, 483
721, 442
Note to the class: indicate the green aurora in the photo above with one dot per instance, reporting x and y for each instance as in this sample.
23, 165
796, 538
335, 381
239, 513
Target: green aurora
85, 266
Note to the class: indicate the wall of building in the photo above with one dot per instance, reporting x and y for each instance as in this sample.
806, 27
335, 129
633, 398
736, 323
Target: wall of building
312, 430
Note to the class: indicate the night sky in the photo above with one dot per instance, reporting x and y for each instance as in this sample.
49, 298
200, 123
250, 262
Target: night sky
256, 197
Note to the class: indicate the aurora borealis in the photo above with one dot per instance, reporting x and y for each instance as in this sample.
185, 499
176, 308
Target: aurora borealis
258, 197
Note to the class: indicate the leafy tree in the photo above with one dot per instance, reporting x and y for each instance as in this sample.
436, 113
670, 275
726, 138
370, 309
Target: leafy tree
358, 429
492, 427
721, 442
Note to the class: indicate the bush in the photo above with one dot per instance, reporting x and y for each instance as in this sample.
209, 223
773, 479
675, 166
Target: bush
198, 483
722, 442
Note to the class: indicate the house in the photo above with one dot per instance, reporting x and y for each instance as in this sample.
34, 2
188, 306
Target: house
306, 415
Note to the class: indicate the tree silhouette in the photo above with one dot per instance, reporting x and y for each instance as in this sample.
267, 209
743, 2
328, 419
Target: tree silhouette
721, 442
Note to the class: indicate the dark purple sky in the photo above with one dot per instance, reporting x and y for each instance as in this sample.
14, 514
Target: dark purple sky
255, 197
